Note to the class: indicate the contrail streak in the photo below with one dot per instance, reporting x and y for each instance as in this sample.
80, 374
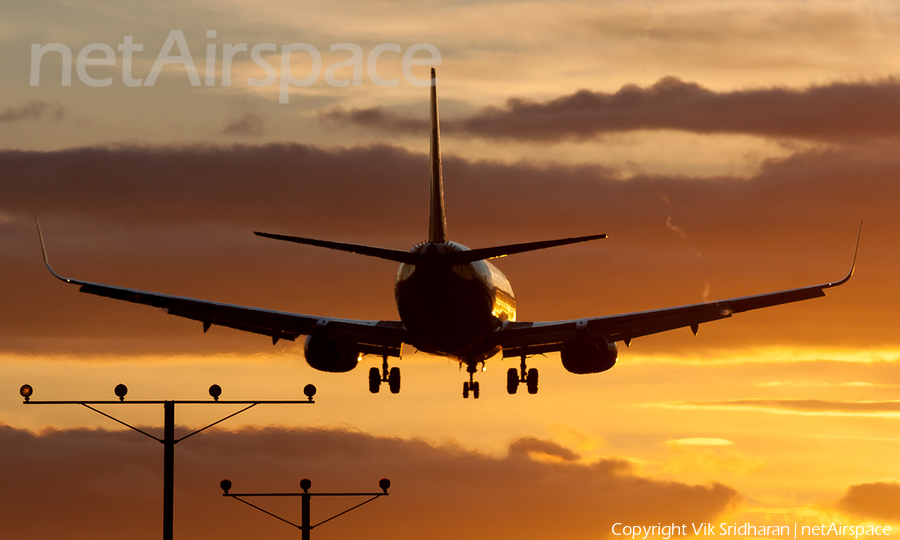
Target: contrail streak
687, 241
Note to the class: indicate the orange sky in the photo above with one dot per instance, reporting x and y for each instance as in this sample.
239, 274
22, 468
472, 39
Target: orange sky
765, 131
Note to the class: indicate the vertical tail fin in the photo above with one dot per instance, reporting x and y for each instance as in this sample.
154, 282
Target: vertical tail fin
437, 219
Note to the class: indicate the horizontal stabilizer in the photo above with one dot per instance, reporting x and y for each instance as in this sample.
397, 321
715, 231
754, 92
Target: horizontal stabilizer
465, 257
381, 253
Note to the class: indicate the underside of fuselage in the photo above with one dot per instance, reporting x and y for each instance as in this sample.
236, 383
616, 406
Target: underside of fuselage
453, 310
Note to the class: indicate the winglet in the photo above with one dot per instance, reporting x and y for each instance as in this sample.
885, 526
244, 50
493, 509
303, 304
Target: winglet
44, 251
852, 264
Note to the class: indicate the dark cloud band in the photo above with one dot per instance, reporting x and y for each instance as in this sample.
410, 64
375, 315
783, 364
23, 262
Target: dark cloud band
97, 484
838, 111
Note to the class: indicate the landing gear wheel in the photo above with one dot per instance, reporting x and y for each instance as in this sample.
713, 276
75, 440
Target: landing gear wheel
475, 389
512, 380
465, 390
394, 380
374, 380
532, 381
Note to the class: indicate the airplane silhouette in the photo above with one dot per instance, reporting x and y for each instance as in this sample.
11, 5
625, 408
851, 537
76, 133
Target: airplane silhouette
452, 303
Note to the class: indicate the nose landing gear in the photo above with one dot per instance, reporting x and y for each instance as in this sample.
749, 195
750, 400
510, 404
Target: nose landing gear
523, 375
471, 385
390, 376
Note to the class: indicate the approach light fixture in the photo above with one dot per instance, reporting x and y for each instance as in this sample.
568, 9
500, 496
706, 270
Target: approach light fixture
168, 440
305, 525
309, 391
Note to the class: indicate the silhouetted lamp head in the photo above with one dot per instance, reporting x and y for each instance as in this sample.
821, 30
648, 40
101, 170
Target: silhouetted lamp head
225, 485
309, 391
384, 484
305, 484
26, 391
120, 391
215, 391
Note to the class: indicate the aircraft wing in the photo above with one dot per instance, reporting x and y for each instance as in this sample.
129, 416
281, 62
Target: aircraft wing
527, 338
369, 337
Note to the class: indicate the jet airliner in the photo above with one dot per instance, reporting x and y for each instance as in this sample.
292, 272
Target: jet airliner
451, 302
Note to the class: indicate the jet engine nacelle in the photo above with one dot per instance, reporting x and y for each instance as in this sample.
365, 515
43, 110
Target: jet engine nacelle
589, 355
325, 354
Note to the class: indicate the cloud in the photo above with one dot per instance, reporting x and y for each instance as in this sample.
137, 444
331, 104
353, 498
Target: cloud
377, 118
98, 483
250, 124
838, 111
801, 406
532, 447
875, 500
699, 441
194, 184
32, 110
850, 384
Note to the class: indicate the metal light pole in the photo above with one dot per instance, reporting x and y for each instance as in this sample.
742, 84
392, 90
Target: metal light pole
305, 499
168, 441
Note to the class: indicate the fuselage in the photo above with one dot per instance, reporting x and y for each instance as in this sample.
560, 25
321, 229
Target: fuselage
453, 310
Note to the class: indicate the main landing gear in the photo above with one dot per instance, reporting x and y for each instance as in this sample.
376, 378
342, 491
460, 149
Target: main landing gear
471, 385
514, 377
390, 376
523, 375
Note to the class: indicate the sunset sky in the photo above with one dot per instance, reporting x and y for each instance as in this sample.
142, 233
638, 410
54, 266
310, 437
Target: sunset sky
726, 146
